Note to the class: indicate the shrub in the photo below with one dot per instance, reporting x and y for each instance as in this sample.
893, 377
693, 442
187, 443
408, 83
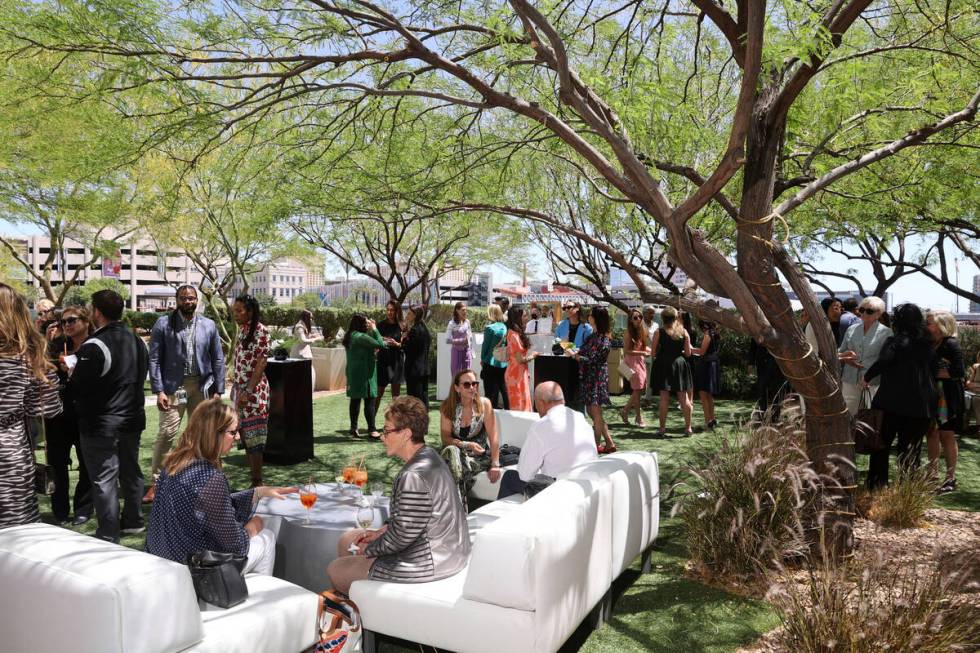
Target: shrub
141, 320
903, 504
744, 509
867, 606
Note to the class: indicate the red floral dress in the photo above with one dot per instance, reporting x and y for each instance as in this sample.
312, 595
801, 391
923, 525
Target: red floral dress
253, 415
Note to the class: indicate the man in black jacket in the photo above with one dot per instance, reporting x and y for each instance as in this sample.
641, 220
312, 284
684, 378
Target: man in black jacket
108, 385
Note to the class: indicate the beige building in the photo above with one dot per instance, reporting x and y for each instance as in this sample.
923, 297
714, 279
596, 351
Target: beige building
283, 280
150, 275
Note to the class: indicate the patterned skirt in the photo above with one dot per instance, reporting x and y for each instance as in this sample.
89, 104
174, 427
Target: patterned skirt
253, 432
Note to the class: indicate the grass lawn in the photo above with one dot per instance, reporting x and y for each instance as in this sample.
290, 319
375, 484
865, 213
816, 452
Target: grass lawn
660, 611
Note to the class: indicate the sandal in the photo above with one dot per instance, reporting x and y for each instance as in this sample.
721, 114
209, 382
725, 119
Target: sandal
625, 416
375, 435
354, 434
949, 485
611, 448
661, 433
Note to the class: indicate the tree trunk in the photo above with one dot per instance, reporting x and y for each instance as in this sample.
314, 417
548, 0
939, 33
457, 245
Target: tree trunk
814, 375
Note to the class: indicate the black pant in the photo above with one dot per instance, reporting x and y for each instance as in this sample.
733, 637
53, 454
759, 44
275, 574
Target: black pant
62, 434
418, 387
510, 483
112, 458
370, 408
910, 431
494, 386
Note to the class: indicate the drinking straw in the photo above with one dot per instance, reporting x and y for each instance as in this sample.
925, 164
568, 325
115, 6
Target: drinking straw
360, 464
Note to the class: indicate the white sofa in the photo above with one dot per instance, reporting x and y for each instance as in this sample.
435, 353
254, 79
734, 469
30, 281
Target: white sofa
538, 568
64, 591
512, 427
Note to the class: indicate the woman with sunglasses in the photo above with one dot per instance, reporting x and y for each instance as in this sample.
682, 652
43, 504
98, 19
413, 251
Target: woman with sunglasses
194, 508
636, 349
859, 350
62, 430
469, 433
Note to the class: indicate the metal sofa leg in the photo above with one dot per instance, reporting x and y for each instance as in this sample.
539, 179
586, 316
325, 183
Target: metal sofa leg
645, 565
368, 642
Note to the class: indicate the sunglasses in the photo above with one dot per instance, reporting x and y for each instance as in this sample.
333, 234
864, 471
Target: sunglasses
637, 318
469, 384
70, 320
867, 311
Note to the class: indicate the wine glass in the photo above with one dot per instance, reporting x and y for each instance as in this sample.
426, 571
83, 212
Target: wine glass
377, 489
360, 478
340, 479
307, 496
365, 515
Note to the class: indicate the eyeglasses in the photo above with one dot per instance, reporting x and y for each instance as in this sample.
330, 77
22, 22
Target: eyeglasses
230, 432
70, 320
388, 431
469, 384
637, 318
867, 311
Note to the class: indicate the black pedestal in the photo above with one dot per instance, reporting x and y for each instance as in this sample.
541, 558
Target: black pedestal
563, 370
290, 438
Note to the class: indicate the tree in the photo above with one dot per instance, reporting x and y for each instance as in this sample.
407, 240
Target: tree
62, 172
742, 95
307, 300
81, 295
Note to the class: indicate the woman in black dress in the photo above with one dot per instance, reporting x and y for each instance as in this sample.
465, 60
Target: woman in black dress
415, 344
391, 359
907, 394
671, 373
707, 374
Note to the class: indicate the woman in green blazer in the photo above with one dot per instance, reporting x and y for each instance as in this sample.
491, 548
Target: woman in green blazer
362, 341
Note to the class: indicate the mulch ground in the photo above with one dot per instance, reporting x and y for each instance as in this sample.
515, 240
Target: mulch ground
949, 538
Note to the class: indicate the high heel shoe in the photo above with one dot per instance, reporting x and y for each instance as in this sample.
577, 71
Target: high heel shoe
625, 416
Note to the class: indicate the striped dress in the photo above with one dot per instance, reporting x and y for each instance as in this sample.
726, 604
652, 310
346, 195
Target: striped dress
23, 396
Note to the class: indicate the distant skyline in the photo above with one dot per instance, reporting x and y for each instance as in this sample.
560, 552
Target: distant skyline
913, 288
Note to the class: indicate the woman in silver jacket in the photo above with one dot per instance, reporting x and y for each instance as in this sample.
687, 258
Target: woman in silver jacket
426, 538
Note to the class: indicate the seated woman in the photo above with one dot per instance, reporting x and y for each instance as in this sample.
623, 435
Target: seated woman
194, 510
469, 433
426, 538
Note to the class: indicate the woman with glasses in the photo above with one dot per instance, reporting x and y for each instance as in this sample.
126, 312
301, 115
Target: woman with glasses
194, 508
469, 433
250, 387
860, 349
62, 430
636, 349
30, 389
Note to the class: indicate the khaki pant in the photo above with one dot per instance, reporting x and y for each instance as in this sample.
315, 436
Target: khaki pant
347, 568
170, 422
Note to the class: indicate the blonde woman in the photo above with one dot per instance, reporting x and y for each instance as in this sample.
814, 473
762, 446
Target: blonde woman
636, 349
194, 508
941, 330
671, 373
492, 371
30, 389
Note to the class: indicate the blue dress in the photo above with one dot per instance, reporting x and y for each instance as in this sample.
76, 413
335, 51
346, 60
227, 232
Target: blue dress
194, 510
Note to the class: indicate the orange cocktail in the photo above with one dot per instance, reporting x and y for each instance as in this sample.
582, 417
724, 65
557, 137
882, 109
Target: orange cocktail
360, 478
349, 472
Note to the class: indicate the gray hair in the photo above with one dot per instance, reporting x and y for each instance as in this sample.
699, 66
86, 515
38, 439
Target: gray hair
549, 392
877, 304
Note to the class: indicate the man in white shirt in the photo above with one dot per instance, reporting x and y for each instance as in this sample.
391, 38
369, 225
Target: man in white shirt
560, 440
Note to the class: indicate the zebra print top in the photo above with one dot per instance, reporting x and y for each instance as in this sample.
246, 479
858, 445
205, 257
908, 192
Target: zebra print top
427, 537
23, 396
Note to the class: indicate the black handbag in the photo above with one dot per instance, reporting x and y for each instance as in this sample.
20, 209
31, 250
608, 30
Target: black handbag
218, 577
867, 426
509, 455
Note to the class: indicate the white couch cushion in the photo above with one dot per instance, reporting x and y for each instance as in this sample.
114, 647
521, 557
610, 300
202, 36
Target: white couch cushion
436, 614
524, 559
636, 501
277, 617
512, 426
64, 591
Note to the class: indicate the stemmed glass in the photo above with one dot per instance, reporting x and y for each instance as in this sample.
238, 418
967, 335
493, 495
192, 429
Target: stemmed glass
365, 515
377, 489
307, 496
340, 479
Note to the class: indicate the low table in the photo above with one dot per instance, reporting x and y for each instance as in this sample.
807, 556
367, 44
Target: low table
303, 550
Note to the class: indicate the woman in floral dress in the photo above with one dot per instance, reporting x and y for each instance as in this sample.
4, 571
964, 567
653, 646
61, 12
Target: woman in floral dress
516, 377
459, 335
250, 388
594, 376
